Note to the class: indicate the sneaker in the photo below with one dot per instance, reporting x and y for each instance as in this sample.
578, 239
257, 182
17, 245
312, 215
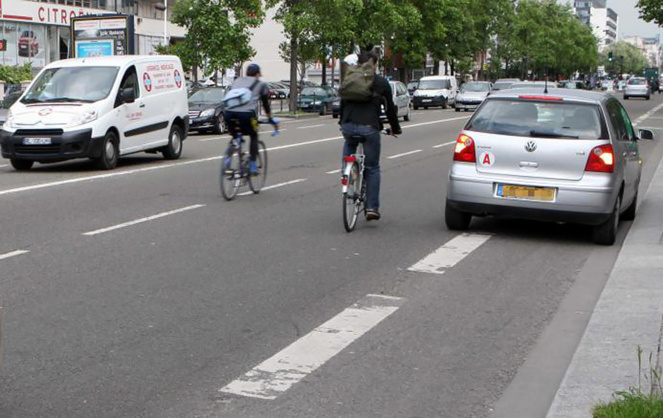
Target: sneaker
253, 168
372, 215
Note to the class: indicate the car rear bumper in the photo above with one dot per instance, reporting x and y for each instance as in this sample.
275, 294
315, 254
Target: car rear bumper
636, 93
468, 106
64, 146
588, 201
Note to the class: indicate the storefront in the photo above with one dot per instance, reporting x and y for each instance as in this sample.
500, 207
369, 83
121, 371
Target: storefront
40, 33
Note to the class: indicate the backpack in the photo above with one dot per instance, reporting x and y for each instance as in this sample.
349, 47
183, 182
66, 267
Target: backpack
358, 82
239, 97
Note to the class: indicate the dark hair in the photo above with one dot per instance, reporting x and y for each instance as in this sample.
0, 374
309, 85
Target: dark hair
368, 55
252, 70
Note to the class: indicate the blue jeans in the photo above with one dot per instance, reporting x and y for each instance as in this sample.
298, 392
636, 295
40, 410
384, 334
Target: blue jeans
371, 161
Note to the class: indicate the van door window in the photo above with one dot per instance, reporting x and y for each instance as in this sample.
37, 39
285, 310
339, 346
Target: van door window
130, 80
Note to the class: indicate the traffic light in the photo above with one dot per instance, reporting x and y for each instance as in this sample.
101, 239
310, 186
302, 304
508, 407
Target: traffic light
611, 58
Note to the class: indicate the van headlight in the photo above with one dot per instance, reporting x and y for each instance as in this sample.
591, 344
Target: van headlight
86, 117
207, 113
9, 123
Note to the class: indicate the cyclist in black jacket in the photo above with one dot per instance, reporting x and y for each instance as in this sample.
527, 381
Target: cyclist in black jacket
362, 119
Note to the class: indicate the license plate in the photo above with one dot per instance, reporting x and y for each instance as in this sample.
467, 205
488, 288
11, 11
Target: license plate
427, 100
37, 141
541, 194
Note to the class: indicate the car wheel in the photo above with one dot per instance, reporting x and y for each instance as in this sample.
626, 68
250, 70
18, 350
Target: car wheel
457, 110
606, 233
22, 165
629, 213
625, 97
648, 97
220, 126
406, 118
445, 104
173, 150
109, 153
335, 116
455, 219
416, 107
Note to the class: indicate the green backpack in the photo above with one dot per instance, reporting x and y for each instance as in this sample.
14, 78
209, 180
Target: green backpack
358, 82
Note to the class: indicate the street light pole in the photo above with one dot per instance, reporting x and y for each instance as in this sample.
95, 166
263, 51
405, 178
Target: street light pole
164, 7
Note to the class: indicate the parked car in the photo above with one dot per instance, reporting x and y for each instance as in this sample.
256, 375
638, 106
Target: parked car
637, 87
336, 108
99, 108
276, 91
412, 86
7, 102
401, 101
573, 84
28, 45
435, 91
532, 84
504, 83
472, 94
206, 110
567, 156
316, 99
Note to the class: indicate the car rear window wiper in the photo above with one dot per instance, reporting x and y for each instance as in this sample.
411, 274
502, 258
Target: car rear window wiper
550, 134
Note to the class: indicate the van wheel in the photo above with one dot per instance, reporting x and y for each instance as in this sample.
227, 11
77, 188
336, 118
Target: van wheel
445, 104
629, 214
173, 150
455, 219
22, 165
606, 233
406, 118
109, 153
220, 126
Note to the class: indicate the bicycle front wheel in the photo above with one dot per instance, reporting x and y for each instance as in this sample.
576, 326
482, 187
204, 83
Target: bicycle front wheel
230, 177
257, 182
352, 199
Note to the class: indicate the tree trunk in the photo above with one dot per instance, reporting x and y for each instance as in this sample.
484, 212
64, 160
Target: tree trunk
294, 88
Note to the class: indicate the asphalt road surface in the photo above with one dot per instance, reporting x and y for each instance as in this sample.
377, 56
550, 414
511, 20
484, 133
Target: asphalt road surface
140, 292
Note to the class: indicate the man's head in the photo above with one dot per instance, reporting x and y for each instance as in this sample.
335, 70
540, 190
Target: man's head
253, 70
368, 56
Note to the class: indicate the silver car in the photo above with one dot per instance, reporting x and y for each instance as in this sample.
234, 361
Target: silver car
566, 156
472, 94
401, 101
637, 87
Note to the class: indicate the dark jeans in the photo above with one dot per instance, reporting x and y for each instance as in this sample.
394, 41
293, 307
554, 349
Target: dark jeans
372, 158
247, 124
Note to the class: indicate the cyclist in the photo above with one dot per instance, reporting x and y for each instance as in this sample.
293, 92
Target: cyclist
361, 119
241, 111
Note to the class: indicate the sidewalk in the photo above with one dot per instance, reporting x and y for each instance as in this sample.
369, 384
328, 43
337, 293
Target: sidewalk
629, 314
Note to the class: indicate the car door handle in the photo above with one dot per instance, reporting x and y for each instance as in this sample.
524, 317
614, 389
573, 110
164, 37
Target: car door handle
141, 105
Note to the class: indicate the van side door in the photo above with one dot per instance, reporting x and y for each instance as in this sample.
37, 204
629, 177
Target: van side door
129, 116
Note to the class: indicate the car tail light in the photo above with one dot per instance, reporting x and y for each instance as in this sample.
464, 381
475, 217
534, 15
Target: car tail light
601, 159
464, 150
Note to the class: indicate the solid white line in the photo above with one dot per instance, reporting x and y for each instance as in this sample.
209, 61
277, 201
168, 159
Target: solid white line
337, 171
179, 164
445, 144
141, 220
279, 373
404, 154
450, 253
648, 114
312, 126
4, 165
12, 254
287, 183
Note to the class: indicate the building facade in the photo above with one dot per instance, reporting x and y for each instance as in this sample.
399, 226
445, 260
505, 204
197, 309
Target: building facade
650, 47
603, 20
40, 32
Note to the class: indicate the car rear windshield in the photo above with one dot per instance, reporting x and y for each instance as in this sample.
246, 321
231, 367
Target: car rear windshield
637, 82
434, 84
529, 85
502, 85
475, 87
539, 119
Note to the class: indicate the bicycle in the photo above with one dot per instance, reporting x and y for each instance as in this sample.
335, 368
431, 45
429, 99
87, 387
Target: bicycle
235, 173
354, 184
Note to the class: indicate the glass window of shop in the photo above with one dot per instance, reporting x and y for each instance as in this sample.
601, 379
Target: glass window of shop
35, 44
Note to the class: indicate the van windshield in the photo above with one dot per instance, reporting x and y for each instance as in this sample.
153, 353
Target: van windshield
540, 120
434, 84
72, 84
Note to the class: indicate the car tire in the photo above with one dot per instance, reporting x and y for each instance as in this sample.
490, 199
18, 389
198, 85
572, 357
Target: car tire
457, 110
406, 118
455, 219
335, 116
22, 165
415, 107
606, 233
648, 97
625, 97
445, 104
630, 212
220, 126
173, 150
110, 151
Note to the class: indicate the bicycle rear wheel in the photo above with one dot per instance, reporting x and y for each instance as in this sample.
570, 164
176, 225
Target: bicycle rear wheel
256, 183
230, 177
352, 199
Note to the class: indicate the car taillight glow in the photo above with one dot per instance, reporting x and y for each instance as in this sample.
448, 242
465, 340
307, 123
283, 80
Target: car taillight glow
550, 98
601, 159
464, 151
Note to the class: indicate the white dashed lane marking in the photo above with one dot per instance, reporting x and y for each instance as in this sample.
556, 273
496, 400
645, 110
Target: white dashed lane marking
404, 154
142, 220
312, 126
337, 171
13, 254
445, 144
275, 186
450, 253
279, 373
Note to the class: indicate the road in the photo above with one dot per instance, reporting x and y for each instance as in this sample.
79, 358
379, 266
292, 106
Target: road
140, 292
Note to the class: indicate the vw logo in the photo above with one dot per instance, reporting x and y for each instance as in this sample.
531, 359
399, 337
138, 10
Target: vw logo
530, 146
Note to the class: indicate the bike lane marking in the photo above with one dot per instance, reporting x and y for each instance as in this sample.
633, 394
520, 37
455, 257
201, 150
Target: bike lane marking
280, 372
141, 220
450, 254
13, 254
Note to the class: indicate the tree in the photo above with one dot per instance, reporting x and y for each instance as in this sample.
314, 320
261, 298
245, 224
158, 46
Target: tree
651, 11
218, 31
627, 59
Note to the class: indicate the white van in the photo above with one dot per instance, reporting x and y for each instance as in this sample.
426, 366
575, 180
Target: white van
435, 91
99, 108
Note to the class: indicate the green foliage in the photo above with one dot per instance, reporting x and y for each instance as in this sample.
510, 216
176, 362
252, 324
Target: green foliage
651, 11
15, 75
633, 62
218, 31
